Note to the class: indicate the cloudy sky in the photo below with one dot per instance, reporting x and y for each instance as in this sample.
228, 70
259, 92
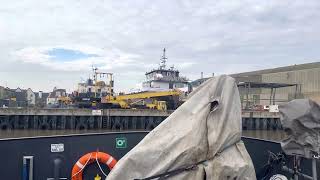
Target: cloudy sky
55, 43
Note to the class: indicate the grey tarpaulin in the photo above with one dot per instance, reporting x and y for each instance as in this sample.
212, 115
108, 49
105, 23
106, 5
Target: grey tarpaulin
301, 120
206, 127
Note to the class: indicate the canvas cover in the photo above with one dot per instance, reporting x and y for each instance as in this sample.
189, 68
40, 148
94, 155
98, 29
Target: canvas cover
206, 129
301, 120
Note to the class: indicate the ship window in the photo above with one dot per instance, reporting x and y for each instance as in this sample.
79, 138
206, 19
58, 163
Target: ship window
180, 85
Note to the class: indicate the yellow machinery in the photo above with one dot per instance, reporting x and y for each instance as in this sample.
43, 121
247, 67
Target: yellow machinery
147, 99
64, 100
98, 85
94, 104
145, 95
159, 105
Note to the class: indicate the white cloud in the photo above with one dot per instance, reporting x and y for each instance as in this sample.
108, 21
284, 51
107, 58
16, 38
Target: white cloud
128, 36
104, 59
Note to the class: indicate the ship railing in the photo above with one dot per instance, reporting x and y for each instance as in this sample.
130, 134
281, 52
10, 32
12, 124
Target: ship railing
170, 78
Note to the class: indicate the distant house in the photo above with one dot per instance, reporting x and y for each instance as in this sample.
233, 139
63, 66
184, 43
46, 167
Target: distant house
20, 98
41, 98
4, 101
53, 98
2, 92
31, 97
7, 97
7, 93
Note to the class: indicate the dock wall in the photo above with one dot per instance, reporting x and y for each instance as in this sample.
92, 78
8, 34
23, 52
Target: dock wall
110, 119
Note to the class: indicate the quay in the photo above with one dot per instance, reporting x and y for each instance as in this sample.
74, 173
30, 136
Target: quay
111, 119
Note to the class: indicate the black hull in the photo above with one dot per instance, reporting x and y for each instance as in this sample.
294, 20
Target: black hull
75, 146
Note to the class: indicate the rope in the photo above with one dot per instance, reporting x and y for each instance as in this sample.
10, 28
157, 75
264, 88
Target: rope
273, 159
99, 165
83, 166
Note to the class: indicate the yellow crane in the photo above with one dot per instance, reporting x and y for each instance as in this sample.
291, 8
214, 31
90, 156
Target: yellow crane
146, 99
99, 84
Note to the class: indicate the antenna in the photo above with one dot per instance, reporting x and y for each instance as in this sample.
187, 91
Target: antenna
163, 59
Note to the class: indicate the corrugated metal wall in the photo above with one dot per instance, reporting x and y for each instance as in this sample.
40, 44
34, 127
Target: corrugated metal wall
307, 76
308, 79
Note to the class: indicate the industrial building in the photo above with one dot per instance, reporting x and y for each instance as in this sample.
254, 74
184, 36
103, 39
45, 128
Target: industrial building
278, 85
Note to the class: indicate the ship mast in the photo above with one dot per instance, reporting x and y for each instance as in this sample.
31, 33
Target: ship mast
163, 59
102, 74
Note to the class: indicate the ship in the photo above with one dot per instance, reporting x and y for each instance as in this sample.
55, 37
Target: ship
163, 78
91, 91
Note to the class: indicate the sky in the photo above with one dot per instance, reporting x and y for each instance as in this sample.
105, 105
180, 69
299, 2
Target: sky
46, 44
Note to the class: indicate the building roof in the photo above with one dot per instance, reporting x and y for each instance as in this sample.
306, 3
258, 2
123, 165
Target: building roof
53, 93
264, 85
280, 69
61, 90
44, 95
21, 95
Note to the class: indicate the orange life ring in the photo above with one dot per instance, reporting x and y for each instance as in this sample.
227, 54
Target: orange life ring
90, 158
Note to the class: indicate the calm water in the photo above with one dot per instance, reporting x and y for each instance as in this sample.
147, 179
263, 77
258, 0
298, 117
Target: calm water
276, 135
261, 134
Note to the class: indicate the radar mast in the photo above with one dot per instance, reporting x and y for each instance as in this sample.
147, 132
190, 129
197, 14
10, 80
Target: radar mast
163, 59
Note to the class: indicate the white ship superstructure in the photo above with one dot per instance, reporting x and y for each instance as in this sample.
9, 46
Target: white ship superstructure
164, 78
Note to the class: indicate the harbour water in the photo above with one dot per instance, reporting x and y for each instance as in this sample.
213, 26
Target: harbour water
274, 135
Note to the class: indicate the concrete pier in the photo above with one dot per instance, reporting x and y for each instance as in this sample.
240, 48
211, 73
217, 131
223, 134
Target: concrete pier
260, 120
110, 119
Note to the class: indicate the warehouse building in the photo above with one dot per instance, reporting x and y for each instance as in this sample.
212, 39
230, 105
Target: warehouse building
278, 85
